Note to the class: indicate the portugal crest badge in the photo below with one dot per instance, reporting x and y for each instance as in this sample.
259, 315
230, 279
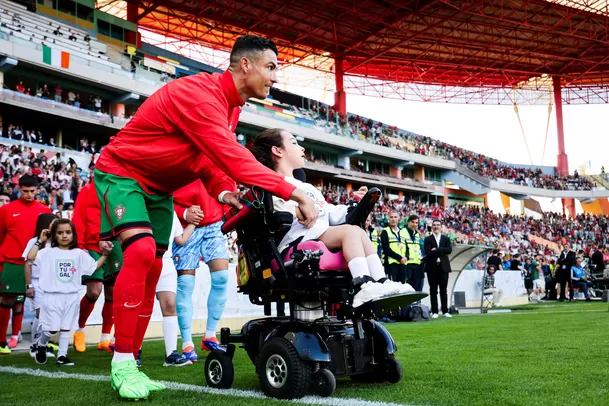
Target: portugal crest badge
120, 211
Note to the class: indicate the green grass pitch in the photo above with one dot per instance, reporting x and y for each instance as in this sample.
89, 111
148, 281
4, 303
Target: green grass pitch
553, 354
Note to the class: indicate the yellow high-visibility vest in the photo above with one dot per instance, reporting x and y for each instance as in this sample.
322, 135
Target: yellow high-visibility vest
397, 243
414, 248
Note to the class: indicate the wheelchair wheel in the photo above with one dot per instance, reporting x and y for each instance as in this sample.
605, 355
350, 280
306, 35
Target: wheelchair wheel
283, 375
324, 383
219, 370
393, 371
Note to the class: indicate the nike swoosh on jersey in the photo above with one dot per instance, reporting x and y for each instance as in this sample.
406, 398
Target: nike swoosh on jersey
132, 306
16, 214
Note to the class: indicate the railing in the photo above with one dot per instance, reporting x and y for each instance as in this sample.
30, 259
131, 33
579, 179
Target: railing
372, 177
604, 182
10, 95
465, 171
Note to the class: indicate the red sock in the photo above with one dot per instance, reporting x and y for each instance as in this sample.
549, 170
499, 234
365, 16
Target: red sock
146, 312
5, 316
107, 317
16, 325
129, 289
86, 307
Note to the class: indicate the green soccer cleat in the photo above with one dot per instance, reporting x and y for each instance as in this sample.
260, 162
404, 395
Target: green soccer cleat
151, 385
4, 349
128, 381
52, 346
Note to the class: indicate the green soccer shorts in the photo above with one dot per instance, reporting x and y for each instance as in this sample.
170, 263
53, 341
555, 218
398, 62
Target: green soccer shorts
12, 279
125, 205
110, 269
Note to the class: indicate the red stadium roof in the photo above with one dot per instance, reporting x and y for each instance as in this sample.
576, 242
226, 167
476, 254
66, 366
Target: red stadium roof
450, 43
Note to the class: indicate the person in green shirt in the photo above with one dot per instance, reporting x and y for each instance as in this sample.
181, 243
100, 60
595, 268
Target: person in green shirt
538, 281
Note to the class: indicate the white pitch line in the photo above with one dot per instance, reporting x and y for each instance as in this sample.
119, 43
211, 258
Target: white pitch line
251, 394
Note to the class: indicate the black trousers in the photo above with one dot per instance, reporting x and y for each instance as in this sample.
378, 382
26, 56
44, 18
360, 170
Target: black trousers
415, 276
437, 278
396, 272
564, 277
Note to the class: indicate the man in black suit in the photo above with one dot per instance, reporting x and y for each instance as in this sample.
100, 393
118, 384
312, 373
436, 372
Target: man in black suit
597, 262
437, 247
563, 272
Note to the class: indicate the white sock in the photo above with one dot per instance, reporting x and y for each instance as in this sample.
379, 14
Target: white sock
35, 332
105, 337
210, 334
375, 266
122, 356
358, 267
170, 334
187, 344
44, 338
64, 342
80, 330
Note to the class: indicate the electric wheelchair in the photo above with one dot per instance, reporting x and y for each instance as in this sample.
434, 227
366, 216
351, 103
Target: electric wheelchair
323, 337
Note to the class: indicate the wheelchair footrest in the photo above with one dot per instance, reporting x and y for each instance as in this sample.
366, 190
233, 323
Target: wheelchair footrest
387, 304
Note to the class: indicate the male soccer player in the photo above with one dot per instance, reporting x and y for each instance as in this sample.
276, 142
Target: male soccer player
179, 134
17, 226
87, 214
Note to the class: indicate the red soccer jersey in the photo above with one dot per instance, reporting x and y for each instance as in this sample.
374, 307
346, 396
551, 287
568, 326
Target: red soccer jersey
196, 195
17, 227
86, 218
181, 134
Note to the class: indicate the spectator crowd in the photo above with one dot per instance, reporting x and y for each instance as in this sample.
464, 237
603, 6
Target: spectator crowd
392, 137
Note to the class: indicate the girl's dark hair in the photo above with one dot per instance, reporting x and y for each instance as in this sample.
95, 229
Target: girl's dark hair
54, 228
263, 144
43, 222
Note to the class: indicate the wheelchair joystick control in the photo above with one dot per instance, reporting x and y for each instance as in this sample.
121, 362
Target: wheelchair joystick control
302, 256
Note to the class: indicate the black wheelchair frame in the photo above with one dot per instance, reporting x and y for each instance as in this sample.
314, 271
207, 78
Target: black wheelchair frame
324, 337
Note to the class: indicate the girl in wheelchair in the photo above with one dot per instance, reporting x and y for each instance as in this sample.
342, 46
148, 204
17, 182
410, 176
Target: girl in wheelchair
279, 150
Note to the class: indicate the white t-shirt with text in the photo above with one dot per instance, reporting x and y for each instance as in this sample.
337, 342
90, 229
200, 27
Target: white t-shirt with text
61, 271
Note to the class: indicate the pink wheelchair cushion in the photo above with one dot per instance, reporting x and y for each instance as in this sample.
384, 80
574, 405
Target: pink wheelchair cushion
329, 261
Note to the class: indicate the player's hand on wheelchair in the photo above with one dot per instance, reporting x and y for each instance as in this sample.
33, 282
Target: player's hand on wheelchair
194, 214
233, 199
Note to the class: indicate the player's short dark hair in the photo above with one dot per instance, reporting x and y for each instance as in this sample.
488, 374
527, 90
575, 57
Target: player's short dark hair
412, 217
249, 45
5, 194
495, 251
27, 181
436, 221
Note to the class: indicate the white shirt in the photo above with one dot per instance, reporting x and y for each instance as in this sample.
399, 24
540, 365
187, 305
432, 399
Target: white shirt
61, 271
329, 214
176, 231
28, 248
438, 238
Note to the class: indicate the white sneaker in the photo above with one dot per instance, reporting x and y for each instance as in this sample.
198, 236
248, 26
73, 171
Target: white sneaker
447, 315
370, 291
434, 316
399, 287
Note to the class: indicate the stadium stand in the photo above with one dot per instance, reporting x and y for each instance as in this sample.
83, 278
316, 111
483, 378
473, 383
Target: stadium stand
17, 21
